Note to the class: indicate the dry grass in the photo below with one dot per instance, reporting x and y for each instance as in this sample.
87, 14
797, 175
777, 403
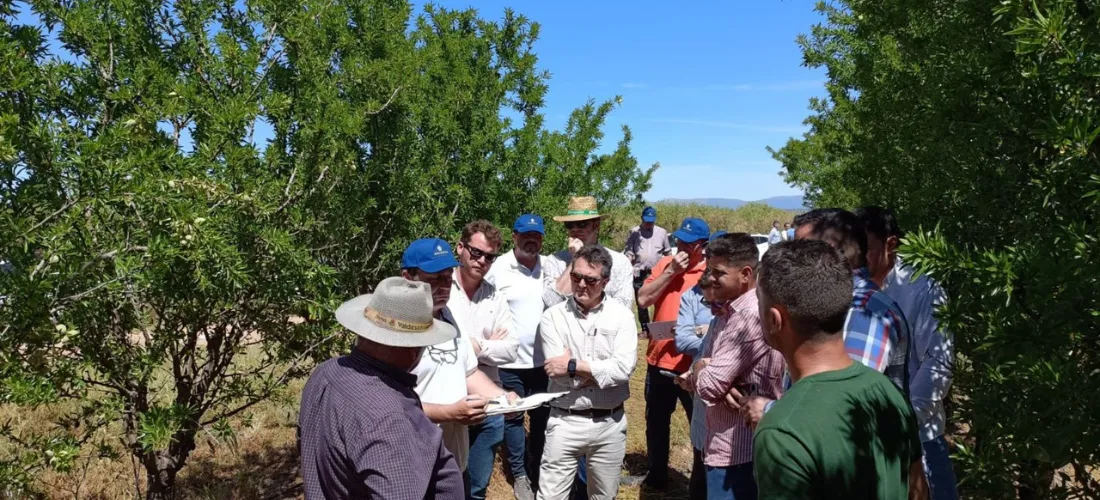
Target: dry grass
263, 463
750, 218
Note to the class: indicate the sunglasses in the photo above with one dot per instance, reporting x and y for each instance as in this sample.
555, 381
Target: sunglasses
476, 254
588, 280
577, 225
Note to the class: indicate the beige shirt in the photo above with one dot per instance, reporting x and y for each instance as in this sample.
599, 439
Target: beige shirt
480, 316
620, 286
441, 379
606, 338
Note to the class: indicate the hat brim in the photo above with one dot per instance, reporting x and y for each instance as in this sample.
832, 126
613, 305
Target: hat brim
350, 315
525, 230
435, 266
687, 238
649, 219
578, 218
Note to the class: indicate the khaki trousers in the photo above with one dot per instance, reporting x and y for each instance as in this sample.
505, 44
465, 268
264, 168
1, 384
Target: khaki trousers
602, 441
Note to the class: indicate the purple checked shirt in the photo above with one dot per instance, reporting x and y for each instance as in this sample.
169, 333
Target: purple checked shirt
363, 434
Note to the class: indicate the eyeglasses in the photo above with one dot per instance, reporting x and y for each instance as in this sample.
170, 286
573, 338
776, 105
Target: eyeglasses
588, 280
476, 254
578, 224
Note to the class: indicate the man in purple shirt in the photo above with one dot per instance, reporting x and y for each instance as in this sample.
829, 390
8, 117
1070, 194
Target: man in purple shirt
362, 431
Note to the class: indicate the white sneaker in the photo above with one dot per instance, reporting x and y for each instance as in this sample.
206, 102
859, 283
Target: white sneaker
522, 489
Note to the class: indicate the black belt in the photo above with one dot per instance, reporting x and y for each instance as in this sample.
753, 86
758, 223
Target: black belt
593, 412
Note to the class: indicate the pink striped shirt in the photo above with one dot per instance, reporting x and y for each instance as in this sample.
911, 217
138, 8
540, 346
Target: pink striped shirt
738, 358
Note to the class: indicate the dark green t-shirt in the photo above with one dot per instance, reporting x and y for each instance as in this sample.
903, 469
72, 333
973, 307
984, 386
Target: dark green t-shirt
842, 434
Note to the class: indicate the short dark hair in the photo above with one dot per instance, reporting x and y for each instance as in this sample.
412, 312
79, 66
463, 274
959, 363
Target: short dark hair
486, 228
595, 255
879, 221
813, 281
735, 248
839, 228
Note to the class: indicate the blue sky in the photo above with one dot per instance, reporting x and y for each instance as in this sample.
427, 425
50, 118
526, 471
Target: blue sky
706, 86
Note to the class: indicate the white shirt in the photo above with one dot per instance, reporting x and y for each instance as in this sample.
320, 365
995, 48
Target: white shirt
620, 287
774, 237
441, 379
478, 318
606, 338
522, 288
931, 350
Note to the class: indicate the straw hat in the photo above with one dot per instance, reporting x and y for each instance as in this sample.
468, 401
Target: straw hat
581, 208
398, 313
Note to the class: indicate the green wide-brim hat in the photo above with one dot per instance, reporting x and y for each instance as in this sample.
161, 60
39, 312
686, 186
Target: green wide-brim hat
581, 208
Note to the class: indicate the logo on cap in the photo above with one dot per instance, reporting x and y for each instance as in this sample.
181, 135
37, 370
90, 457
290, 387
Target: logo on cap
439, 249
687, 226
532, 221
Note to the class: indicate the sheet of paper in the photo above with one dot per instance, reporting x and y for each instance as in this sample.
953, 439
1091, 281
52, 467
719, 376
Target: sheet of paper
523, 404
662, 330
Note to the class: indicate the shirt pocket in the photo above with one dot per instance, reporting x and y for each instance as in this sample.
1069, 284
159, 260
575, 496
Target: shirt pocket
604, 343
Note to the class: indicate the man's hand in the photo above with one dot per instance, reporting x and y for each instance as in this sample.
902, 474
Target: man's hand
733, 399
686, 381
699, 365
701, 330
679, 263
511, 396
469, 410
574, 245
752, 409
558, 366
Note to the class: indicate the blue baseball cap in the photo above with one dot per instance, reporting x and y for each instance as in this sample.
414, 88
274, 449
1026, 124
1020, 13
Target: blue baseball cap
649, 214
430, 255
528, 223
717, 234
692, 230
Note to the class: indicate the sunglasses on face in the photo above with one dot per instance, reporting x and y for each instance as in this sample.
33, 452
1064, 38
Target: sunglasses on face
476, 254
588, 280
577, 225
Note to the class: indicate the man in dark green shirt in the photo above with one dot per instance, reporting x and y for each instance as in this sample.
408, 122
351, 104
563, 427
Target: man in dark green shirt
843, 430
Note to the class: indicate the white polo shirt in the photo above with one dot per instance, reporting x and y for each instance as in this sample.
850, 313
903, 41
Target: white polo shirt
522, 287
441, 379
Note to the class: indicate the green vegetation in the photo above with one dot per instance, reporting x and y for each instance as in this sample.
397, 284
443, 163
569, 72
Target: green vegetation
978, 123
750, 218
152, 240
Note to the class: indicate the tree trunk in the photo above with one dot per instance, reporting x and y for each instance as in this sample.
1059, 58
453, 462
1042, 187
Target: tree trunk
160, 484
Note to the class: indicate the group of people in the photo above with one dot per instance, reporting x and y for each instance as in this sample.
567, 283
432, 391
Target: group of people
814, 371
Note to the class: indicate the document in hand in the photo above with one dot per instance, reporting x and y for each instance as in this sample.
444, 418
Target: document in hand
500, 405
661, 330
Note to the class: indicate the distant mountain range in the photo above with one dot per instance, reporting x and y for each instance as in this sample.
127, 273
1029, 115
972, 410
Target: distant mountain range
793, 202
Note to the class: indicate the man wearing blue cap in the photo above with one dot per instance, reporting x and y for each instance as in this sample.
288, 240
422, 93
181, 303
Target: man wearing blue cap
672, 277
645, 245
452, 389
518, 276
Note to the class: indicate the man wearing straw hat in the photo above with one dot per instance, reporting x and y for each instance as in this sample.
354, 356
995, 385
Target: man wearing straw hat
582, 224
362, 432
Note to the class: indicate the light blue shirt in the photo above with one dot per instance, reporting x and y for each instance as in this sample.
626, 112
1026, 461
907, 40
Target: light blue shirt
931, 351
774, 237
692, 314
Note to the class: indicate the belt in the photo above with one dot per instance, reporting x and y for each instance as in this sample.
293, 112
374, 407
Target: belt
592, 412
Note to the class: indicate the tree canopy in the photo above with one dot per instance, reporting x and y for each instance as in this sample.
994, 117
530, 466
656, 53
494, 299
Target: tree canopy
188, 188
977, 122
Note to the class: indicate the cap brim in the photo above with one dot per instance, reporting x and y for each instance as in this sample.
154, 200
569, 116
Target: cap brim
438, 265
649, 219
350, 316
687, 238
525, 230
578, 218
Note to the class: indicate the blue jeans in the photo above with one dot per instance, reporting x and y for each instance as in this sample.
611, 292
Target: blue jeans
736, 482
661, 395
485, 439
525, 382
939, 470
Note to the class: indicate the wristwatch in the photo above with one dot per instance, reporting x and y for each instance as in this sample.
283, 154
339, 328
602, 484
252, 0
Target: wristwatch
572, 369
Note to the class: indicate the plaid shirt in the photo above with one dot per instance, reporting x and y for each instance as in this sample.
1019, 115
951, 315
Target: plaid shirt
876, 333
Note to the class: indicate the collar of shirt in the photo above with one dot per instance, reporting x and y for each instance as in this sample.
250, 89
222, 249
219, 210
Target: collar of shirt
484, 289
515, 264
861, 280
576, 308
746, 299
362, 362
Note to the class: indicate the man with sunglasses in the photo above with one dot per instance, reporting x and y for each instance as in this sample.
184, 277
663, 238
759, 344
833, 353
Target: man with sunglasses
582, 225
672, 276
483, 314
591, 347
452, 389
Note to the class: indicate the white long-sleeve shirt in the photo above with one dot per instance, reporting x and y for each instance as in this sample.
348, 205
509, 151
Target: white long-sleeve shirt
931, 350
606, 338
478, 318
